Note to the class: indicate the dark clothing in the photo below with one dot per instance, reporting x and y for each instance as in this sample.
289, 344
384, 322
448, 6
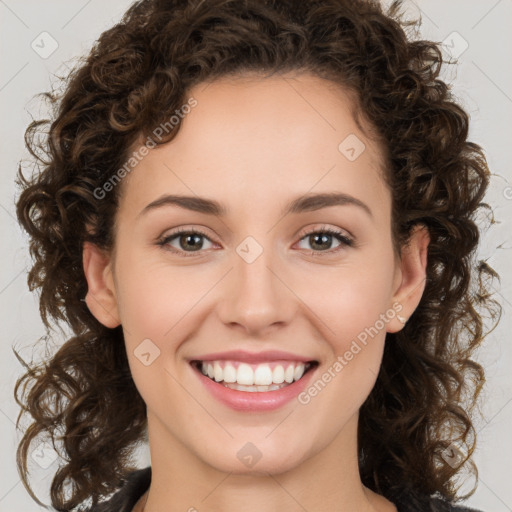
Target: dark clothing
138, 483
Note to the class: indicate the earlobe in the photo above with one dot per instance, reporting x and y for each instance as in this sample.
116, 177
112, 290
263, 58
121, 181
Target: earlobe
413, 270
101, 298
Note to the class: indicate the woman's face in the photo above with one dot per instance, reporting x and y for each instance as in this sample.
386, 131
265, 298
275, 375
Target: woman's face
261, 276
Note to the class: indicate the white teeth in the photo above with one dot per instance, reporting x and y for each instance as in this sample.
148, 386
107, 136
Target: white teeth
229, 373
278, 374
245, 375
299, 371
217, 371
252, 389
261, 377
288, 374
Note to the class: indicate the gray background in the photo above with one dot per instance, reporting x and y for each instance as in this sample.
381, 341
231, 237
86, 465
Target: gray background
482, 82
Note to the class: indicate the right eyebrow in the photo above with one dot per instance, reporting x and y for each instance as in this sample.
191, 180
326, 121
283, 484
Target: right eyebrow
194, 203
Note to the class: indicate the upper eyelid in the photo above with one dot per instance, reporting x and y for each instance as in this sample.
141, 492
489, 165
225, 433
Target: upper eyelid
302, 233
339, 231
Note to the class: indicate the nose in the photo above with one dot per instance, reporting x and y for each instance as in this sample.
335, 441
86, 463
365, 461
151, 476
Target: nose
256, 297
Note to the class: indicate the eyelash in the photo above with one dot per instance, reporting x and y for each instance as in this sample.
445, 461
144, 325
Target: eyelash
339, 235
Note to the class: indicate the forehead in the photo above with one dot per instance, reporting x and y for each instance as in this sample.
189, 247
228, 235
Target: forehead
262, 139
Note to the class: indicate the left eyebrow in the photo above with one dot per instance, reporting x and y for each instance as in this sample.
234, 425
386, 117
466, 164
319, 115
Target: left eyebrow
305, 203
312, 202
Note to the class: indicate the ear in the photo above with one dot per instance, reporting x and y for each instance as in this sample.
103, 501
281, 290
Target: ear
101, 298
411, 277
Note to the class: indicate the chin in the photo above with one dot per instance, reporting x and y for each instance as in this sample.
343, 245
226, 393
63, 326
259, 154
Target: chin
264, 461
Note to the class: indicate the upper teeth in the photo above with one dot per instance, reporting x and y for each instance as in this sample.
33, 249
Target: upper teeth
259, 374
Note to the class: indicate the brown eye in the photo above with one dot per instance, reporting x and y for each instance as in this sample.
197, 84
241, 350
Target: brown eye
185, 241
323, 239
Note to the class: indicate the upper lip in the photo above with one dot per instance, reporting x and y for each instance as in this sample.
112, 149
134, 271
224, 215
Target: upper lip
252, 357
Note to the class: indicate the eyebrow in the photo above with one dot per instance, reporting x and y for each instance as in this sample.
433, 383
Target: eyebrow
306, 203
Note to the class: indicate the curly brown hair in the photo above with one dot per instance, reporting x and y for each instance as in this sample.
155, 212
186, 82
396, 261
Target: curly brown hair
137, 74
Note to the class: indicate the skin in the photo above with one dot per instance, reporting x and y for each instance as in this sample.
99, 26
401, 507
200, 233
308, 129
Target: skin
254, 144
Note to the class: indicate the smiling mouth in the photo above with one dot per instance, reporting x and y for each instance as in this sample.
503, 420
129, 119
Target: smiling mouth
240, 376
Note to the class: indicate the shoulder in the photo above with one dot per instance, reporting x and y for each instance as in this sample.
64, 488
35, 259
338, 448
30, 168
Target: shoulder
416, 502
136, 484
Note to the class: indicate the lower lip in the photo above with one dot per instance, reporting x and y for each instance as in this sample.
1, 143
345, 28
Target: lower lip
258, 400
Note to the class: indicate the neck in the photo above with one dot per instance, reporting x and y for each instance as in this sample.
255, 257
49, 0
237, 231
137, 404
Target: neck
329, 480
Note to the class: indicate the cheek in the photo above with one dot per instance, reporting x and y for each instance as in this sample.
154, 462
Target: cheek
354, 312
349, 300
166, 303
153, 297
157, 299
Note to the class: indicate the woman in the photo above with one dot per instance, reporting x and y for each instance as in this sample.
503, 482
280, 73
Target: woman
257, 219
